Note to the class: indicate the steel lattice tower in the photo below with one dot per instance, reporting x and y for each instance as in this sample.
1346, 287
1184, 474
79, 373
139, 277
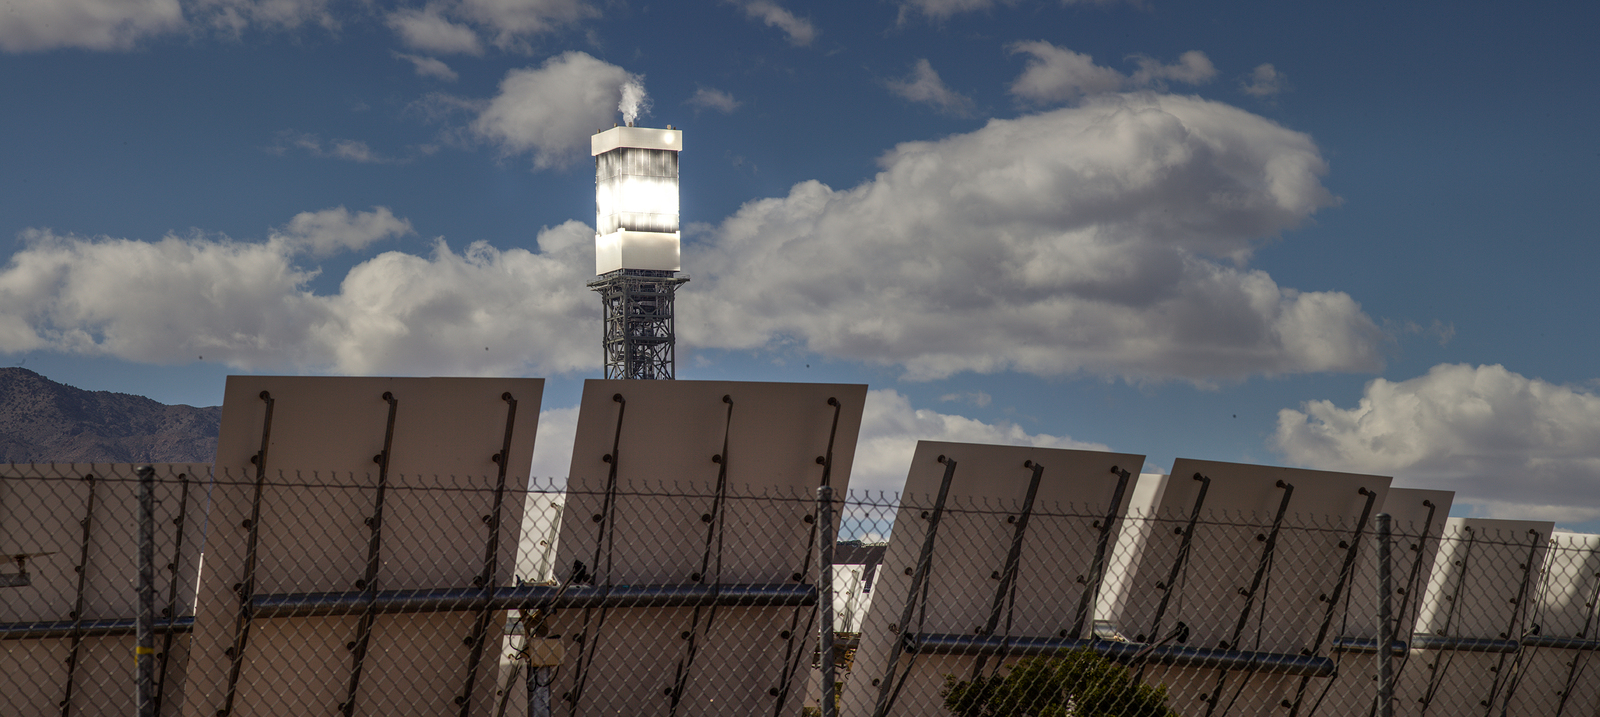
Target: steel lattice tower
636, 248
639, 335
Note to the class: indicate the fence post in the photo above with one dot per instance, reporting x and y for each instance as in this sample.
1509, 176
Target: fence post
145, 649
1385, 622
825, 538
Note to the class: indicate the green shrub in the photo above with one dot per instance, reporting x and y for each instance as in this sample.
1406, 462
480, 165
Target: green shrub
1075, 683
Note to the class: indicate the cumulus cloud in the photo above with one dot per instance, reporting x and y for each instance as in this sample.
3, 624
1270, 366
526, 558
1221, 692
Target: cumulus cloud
1512, 446
1057, 74
109, 25
352, 150
512, 22
247, 305
976, 398
799, 30
1109, 238
456, 26
713, 99
335, 230
35, 25
1264, 81
1192, 67
924, 86
1084, 239
551, 111
429, 67
428, 30
552, 452
234, 16
945, 9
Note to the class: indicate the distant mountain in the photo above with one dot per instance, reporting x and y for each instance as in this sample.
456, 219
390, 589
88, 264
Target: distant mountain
43, 421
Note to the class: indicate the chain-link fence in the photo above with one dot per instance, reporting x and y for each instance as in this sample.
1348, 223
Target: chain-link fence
343, 594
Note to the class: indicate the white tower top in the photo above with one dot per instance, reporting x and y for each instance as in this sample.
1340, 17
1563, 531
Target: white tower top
636, 198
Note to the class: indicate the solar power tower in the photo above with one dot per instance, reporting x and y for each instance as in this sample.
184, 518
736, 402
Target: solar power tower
636, 247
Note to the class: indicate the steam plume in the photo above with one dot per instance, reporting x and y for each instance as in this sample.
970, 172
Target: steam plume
634, 100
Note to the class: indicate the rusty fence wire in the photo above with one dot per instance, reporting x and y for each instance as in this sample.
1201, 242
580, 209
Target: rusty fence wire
324, 594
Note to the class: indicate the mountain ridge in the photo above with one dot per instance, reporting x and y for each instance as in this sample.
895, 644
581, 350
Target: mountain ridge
42, 421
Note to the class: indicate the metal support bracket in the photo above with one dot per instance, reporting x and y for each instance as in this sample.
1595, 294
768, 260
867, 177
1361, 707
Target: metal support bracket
1097, 568
491, 557
369, 582
589, 644
1438, 667
1004, 595
889, 687
247, 585
77, 605
171, 611
1262, 566
714, 524
1181, 561
792, 656
1510, 679
1572, 668
1353, 548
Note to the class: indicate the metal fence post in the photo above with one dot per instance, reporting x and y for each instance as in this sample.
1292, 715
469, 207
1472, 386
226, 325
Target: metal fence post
1385, 622
825, 538
145, 651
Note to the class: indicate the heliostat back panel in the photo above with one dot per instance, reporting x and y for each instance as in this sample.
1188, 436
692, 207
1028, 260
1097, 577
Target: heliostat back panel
1019, 539
335, 495
1243, 559
706, 491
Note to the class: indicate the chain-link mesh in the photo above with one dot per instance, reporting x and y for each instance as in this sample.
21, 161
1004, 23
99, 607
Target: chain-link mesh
322, 594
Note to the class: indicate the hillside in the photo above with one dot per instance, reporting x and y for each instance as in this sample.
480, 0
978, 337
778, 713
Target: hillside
43, 421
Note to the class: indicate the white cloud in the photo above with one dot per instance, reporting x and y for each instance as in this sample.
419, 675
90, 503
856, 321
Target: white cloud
925, 86
799, 30
1108, 238
713, 99
335, 230
246, 305
1512, 446
976, 398
513, 21
109, 25
1084, 239
352, 150
1264, 81
552, 111
234, 16
429, 67
552, 451
945, 9
35, 25
1192, 67
428, 30
1056, 74
890, 429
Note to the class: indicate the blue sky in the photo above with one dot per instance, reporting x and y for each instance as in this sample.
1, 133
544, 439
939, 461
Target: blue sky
1353, 237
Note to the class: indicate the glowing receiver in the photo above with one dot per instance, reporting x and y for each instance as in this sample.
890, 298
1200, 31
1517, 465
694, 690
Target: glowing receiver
636, 198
